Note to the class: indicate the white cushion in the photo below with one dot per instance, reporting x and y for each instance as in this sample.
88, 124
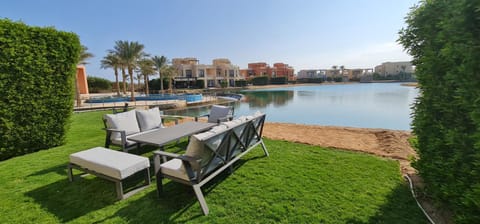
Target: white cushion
126, 121
149, 119
218, 112
175, 168
195, 148
116, 164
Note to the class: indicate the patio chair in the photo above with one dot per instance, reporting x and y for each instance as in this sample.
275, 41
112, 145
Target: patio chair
219, 114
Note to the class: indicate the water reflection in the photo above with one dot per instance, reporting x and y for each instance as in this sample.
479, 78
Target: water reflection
360, 105
262, 99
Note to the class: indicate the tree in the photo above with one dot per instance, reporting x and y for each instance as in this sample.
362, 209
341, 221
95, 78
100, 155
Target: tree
169, 72
129, 53
112, 61
84, 55
160, 62
145, 69
444, 39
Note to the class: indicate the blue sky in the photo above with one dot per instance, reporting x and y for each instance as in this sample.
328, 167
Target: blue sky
302, 33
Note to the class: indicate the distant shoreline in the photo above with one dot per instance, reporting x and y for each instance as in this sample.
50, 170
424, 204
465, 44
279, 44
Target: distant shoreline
412, 84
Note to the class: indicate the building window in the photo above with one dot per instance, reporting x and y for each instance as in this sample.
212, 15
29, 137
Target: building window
231, 73
188, 73
201, 73
211, 83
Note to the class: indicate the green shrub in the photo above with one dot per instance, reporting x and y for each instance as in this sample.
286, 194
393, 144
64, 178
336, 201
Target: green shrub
37, 67
154, 85
338, 79
278, 80
260, 81
310, 80
97, 85
444, 39
199, 84
240, 83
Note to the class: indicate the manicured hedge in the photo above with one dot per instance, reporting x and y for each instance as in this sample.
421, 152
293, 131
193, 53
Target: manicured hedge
260, 81
240, 83
310, 80
98, 85
278, 80
37, 67
444, 39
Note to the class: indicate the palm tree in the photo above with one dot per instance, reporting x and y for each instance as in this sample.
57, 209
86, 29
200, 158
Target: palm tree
146, 68
112, 61
122, 68
82, 60
129, 53
169, 72
160, 62
84, 55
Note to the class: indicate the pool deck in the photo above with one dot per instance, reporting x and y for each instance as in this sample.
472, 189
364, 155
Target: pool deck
140, 104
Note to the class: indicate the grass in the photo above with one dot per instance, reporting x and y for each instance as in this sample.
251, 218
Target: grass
296, 184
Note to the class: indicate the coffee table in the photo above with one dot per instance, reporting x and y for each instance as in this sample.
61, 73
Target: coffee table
163, 136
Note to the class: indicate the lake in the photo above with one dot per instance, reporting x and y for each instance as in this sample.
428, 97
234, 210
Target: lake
366, 105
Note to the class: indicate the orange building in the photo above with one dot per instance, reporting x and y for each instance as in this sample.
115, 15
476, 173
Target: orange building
262, 69
82, 79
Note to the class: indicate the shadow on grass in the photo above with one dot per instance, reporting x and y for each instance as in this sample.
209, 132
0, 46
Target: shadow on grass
68, 200
59, 169
400, 207
177, 203
71, 200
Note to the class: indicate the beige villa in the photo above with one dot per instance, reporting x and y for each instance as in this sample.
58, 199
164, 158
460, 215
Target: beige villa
220, 71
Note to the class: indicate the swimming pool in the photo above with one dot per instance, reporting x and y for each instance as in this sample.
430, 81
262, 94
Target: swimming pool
152, 97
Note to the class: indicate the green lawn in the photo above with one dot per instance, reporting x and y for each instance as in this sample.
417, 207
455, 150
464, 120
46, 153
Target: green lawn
296, 184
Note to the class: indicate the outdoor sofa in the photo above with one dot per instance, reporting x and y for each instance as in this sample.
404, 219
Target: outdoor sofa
120, 126
209, 153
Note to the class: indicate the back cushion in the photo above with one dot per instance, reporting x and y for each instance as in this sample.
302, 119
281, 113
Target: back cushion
218, 112
149, 119
196, 146
126, 121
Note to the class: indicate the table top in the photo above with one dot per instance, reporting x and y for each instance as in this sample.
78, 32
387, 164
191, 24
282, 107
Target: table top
163, 136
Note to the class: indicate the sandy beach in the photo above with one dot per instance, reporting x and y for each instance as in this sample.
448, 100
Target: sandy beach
391, 144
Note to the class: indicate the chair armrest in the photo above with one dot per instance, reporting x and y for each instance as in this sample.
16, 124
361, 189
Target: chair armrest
203, 115
226, 118
170, 118
192, 160
167, 154
123, 133
192, 167
113, 130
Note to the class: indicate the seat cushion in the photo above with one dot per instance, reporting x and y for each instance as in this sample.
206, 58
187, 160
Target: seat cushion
118, 165
218, 112
174, 168
149, 119
126, 121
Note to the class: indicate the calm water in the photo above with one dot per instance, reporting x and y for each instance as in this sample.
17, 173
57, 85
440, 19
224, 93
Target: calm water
372, 105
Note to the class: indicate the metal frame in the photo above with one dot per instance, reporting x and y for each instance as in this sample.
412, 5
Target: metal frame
118, 182
200, 175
